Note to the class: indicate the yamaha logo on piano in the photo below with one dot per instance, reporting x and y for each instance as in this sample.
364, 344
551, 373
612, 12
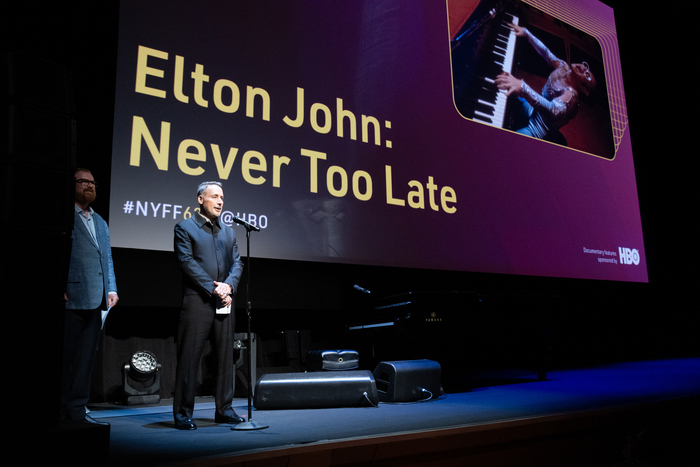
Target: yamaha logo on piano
433, 318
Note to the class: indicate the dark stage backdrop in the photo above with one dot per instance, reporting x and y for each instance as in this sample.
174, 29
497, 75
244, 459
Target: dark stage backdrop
334, 127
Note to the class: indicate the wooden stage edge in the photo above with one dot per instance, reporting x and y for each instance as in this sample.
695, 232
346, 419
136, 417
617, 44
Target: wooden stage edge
585, 438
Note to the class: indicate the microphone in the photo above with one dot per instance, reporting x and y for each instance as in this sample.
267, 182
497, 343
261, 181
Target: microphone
245, 224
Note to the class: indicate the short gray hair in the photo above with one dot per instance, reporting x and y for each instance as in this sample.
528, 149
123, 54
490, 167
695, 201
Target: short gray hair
204, 185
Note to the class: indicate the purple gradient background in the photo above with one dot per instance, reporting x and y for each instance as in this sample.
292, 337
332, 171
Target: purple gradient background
523, 206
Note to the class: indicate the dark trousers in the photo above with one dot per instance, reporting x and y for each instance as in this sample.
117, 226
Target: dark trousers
81, 335
199, 322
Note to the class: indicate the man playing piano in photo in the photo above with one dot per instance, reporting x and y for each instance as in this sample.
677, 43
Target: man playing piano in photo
542, 115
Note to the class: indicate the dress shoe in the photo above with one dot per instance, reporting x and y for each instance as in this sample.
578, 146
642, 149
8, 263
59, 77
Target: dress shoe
228, 418
186, 424
91, 420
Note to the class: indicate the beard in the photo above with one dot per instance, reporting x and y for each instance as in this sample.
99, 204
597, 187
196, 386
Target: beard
87, 197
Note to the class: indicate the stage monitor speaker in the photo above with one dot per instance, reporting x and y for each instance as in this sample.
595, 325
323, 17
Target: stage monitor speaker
316, 390
408, 380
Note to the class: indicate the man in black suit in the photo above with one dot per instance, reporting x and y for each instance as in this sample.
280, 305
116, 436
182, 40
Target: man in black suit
207, 253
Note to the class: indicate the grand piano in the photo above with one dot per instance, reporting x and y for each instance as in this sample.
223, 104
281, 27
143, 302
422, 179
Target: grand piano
462, 330
482, 47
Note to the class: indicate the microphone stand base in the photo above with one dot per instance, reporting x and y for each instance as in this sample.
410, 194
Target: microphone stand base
249, 426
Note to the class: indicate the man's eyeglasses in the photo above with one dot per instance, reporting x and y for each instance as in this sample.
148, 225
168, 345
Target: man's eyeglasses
85, 182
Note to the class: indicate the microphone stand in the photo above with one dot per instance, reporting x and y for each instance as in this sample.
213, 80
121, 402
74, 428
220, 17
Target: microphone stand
250, 424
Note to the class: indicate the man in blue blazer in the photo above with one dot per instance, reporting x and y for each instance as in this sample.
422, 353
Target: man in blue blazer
207, 253
91, 288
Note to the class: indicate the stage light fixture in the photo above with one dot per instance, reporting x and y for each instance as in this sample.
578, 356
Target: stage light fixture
143, 365
142, 379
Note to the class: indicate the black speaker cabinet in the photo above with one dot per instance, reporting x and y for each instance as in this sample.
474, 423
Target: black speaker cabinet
408, 380
316, 390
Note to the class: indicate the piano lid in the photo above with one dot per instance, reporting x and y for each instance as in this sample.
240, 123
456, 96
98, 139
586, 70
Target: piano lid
414, 309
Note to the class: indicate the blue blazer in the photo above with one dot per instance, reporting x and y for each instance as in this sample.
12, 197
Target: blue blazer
206, 256
91, 271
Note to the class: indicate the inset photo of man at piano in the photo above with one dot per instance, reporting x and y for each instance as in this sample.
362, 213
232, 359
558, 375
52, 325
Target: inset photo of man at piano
519, 69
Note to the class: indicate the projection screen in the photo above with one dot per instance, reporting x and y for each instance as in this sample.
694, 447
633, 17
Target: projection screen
349, 131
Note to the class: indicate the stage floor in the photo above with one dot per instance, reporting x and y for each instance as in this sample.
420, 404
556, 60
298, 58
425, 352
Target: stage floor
145, 436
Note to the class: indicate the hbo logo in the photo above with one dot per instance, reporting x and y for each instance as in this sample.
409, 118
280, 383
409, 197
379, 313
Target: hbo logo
628, 256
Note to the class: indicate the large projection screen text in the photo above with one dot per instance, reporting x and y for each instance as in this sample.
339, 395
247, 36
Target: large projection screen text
373, 132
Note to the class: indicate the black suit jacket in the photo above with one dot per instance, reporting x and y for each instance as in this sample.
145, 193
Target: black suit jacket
206, 254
